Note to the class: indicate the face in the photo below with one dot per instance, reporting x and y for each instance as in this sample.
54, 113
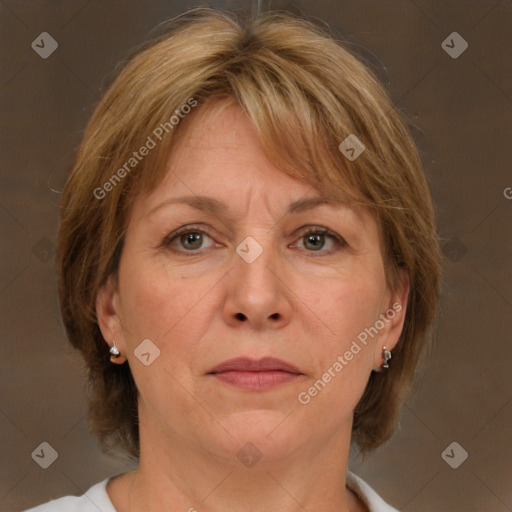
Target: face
230, 258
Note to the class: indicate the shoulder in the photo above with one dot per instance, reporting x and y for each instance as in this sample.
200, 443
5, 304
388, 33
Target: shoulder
368, 496
94, 499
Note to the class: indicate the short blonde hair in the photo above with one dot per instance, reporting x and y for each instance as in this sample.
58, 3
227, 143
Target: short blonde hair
305, 93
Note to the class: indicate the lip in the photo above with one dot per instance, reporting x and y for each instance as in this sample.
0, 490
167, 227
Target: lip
246, 364
255, 375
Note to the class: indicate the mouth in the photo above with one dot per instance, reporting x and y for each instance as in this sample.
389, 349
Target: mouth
255, 375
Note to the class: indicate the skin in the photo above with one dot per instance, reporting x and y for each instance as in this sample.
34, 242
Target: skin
300, 302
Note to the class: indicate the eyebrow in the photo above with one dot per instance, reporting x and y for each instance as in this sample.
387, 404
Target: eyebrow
210, 205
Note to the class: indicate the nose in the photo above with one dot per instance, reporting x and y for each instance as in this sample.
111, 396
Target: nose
258, 294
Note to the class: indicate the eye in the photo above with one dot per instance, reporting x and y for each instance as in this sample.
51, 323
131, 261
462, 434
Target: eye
321, 240
188, 239
192, 239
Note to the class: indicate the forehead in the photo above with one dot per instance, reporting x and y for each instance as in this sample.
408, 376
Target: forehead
221, 154
222, 137
220, 147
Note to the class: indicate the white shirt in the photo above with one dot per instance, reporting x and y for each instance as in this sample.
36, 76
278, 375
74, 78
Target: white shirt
96, 499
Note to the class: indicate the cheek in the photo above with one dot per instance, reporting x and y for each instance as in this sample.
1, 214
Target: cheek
169, 310
344, 362
349, 306
146, 291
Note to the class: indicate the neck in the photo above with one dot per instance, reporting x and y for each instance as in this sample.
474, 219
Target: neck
185, 477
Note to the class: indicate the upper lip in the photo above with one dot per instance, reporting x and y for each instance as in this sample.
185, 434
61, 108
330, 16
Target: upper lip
246, 364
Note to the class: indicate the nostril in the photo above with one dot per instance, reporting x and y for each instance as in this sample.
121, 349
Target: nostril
275, 316
240, 316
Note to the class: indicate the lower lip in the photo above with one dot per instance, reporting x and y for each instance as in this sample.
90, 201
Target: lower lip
256, 381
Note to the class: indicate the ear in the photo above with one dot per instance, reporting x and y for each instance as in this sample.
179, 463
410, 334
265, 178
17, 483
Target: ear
393, 318
109, 320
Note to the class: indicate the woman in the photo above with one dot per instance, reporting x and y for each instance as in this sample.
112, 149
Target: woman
247, 260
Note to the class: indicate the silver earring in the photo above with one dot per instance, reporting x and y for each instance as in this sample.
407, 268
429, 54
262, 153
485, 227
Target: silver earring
387, 357
114, 351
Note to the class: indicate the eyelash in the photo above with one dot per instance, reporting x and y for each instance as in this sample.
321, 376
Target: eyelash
308, 230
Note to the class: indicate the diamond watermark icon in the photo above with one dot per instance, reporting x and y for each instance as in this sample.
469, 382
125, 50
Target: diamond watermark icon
454, 455
44, 45
44, 249
146, 352
454, 45
45, 455
351, 147
249, 455
454, 249
249, 249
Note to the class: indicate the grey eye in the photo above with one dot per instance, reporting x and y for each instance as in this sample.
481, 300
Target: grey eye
314, 241
191, 240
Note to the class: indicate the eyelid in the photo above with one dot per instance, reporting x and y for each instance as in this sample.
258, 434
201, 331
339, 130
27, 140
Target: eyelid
316, 229
200, 228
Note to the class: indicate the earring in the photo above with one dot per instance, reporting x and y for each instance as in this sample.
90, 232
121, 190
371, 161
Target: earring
114, 351
387, 357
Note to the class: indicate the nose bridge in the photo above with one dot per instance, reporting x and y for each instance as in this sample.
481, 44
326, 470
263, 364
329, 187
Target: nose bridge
258, 294
254, 262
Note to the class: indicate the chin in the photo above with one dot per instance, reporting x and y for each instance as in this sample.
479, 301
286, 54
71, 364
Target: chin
271, 433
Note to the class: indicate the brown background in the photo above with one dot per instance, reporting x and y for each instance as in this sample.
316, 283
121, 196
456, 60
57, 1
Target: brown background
461, 111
